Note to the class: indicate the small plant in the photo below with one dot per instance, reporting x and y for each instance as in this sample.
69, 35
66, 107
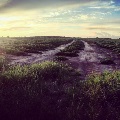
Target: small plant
3, 63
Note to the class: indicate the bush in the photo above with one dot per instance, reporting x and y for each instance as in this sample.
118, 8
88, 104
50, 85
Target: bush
102, 92
54, 91
3, 62
33, 92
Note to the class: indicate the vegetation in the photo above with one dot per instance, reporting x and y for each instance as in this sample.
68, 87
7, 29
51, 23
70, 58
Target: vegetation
102, 92
36, 91
72, 50
52, 90
113, 45
3, 62
55, 91
22, 46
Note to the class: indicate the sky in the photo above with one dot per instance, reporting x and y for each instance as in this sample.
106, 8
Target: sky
72, 18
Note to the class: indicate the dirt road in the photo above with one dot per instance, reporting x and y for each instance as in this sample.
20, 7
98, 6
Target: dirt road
89, 60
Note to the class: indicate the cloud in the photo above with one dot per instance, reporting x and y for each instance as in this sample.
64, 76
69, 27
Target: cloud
106, 35
113, 22
97, 28
3, 2
63, 17
31, 4
16, 28
106, 5
104, 28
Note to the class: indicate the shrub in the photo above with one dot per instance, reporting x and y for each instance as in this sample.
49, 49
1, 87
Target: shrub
52, 90
35, 91
3, 62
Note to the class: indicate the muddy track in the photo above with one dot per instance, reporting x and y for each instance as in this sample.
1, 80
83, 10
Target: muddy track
88, 60
35, 58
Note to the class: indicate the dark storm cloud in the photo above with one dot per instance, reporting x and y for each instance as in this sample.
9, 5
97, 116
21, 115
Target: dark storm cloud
31, 4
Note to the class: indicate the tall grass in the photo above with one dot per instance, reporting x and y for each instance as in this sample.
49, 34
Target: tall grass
54, 91
36, 91
3, 62
102, 93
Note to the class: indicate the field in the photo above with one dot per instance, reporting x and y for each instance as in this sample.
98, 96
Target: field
22, 46
77, 79
113, 45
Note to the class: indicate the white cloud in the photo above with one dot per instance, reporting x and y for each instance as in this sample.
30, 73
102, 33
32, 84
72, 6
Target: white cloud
117, 9
64, 20
84, 17
108, 5
106, 35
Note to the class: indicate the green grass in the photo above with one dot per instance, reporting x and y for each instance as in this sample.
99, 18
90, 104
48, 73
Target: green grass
97, 98
102, 94
53, 90
35, 91
3, 62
